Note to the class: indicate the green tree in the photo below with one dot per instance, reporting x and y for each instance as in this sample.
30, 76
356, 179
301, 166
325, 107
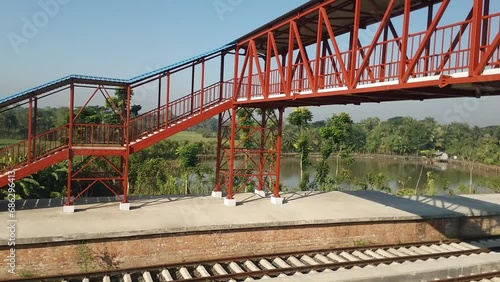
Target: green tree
379, 182
335, 133
301, 118
117, 105
156, 177
189, 162
88, 115
431, 184
9, 120
47, 183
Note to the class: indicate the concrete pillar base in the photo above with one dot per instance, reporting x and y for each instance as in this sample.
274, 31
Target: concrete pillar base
277, 201
217, 194
229, 202
124, 206
260, 193
69, 209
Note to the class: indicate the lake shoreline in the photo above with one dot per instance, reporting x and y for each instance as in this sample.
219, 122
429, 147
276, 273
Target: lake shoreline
464, 164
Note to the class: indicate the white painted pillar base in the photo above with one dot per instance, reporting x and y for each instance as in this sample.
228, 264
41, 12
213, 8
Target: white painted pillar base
217, 194
260, 193
277, 201
69, 209
229, 202
124, 206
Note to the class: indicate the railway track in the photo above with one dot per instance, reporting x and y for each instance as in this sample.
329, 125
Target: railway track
287, 264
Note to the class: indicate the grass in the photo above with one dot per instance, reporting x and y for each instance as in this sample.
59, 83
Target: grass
181, 136
8, 142
190, 136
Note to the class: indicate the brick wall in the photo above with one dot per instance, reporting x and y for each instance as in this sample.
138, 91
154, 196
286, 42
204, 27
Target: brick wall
95, 255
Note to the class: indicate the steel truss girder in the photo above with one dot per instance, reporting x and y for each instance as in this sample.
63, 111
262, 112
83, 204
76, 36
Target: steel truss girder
295, 71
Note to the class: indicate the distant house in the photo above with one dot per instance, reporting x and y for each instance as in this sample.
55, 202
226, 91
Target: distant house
441, 157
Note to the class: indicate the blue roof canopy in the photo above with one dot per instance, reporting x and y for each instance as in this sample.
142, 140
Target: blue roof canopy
102, 80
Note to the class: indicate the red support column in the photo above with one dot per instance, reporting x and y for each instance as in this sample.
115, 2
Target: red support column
127, 148
278, 153
218, 161
231, 154
202, 89
192, 87
262, 149
70, 142
33, 127
221, 75
220, 125
30, 130
159, 104
237, 83
167, 102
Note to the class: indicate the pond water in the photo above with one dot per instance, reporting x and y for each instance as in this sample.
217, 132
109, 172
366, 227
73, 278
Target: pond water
397, 171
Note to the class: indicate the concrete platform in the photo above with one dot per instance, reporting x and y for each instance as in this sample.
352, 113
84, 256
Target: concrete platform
101, 218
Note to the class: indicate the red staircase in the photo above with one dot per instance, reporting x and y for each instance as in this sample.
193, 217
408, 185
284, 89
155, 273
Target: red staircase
180, 115
147, 129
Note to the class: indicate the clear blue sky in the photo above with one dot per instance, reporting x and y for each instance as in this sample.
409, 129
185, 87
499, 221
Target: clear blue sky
124, 38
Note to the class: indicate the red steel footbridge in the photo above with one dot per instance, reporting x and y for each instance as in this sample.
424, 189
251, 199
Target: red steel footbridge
325, 52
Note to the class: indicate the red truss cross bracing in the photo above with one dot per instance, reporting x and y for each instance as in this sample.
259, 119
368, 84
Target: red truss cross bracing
299, 61
250, 150
318, 54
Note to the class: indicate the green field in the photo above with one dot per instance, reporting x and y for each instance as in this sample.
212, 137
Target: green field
7, 142
190, 136
181, 136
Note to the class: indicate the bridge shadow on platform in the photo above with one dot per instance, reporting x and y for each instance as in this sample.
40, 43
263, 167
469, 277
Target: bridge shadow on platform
432, 206
479, 223
288, 197
96, 202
